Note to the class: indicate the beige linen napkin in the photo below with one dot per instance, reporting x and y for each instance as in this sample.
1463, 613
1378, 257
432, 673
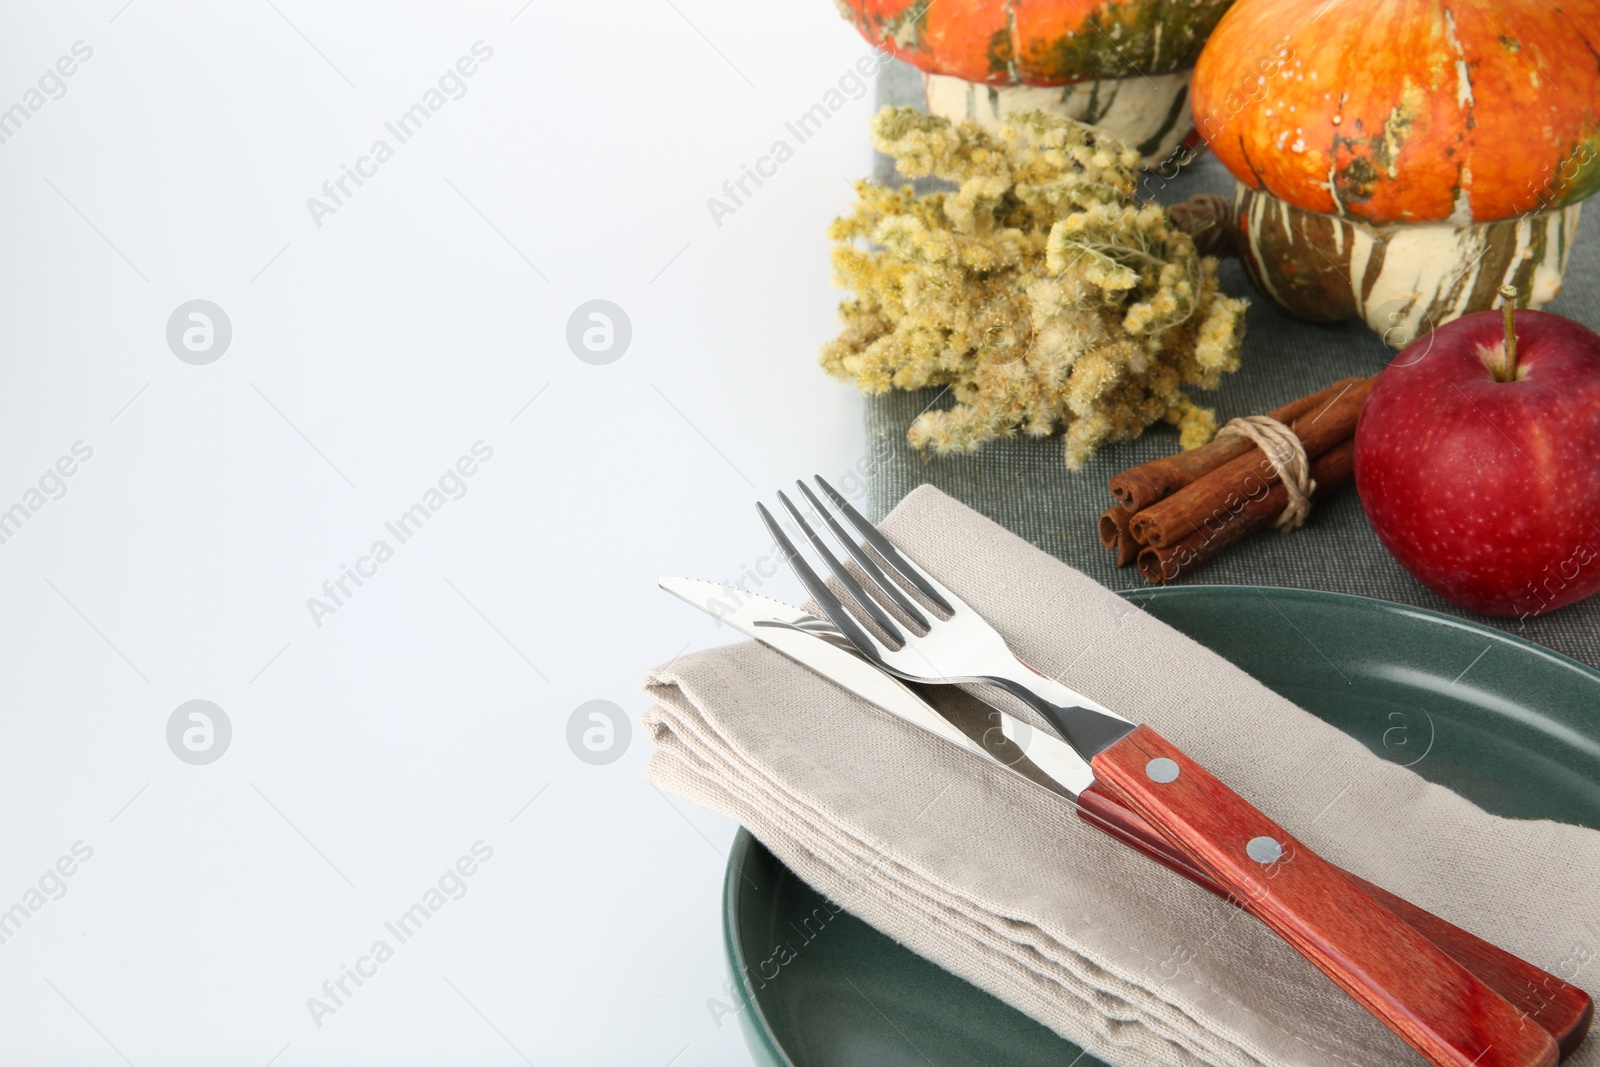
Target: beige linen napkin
1002, 884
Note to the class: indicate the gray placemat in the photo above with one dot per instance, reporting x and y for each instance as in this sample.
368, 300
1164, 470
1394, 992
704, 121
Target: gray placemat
1022, 483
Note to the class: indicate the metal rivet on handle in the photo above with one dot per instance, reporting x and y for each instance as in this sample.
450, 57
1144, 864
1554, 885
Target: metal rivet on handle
1161, 770
1264, 850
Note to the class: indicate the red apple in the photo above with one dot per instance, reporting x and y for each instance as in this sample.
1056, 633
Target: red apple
1478, 461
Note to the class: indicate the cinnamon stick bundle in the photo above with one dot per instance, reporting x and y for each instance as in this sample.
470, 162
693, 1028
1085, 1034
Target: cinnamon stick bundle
1332, 470
1175, 517
1138, 487
1177, 512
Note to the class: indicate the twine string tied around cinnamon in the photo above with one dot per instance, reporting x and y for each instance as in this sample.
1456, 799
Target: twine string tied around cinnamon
1287, 454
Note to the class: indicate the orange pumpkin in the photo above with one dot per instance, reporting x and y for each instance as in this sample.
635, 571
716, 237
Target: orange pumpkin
1394, 111
1403, 160
1038, 42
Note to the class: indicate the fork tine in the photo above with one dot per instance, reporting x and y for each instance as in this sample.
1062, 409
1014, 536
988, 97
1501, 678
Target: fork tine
882, 545
867, 564
818, 588
842, 573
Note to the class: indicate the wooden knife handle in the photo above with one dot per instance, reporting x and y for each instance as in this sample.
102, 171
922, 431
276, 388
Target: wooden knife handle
1428, 999
1560, 1008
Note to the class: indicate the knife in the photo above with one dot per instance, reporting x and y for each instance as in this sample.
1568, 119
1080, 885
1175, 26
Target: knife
1560, 1009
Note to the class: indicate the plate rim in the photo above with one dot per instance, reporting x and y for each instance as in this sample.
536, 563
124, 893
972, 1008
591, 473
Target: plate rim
753, 1021
1388, 607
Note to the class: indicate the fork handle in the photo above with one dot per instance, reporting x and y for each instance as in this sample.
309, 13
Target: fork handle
1083, 724
1560, 1008
1428, 999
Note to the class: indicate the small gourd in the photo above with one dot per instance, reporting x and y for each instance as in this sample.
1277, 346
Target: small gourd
1121, 65
1402, 160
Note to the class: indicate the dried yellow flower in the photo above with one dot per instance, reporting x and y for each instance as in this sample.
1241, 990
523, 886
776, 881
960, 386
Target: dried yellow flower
1039, 291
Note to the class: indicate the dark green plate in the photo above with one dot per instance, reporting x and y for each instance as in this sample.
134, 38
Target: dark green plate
1510, 725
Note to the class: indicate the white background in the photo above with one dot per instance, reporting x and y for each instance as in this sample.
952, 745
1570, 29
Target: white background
367, 355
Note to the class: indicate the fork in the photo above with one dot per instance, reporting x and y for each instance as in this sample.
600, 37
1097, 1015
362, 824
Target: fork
1428, 999
961, 647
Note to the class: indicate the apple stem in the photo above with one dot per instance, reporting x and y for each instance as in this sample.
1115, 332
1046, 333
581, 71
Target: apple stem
1506, 369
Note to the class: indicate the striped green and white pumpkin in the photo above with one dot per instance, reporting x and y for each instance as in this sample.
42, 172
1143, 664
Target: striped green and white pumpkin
1403, 280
